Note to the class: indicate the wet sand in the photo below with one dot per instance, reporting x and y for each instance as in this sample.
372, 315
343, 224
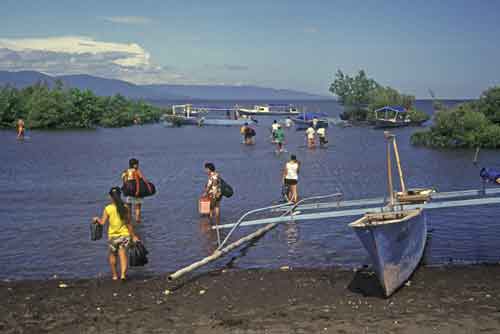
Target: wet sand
436, 300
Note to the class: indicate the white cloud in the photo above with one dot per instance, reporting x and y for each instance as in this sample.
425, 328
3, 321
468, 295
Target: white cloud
76, 54
128, 19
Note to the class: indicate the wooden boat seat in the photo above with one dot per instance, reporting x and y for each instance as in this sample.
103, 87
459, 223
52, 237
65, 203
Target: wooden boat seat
414, 196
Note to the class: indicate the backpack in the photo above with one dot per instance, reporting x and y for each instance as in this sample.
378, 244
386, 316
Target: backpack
225, 189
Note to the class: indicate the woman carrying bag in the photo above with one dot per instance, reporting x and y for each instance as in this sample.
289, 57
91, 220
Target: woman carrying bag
120, 232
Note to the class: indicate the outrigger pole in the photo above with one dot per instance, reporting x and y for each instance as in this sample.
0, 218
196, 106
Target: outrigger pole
221, 250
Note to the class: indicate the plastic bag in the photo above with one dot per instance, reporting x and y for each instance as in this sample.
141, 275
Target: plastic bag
137, 255
95, 231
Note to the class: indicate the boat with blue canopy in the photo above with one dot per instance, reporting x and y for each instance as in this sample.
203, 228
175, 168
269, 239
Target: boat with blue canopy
391, 117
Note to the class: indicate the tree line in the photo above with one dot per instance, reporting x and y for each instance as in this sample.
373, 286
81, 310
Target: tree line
467, 125
59, 107
362, 95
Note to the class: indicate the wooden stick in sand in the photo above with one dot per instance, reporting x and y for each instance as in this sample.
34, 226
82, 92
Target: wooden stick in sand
218, 253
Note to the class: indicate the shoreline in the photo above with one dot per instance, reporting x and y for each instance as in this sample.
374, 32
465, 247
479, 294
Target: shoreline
450, 299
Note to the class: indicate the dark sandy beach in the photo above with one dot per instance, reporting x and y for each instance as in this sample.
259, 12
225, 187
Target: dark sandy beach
436, 300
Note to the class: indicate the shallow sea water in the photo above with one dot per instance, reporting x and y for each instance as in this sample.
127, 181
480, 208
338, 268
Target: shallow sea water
53, 183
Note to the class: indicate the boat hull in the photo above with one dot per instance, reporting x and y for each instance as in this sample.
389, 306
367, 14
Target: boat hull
386, 124
225, 122
395, 247
270, 113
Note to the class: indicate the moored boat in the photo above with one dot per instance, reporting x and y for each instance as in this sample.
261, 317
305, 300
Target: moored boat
224, 122
391, 117
270, 110
395, 242
395, 238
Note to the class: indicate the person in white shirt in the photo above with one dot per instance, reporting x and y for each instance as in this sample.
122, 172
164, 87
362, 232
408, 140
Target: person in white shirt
274, 127
322, 136
291, 178
310, 134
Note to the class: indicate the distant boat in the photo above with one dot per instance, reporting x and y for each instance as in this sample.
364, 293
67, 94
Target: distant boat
270, 110
306, 119
391, 117
395, 238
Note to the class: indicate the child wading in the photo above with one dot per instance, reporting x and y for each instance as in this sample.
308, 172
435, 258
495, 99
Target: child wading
120, 231
133, 202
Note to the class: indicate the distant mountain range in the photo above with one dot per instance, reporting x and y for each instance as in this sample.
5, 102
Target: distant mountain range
107, 87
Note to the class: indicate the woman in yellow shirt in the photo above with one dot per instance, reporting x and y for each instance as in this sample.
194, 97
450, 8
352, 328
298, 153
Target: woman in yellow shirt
120, 231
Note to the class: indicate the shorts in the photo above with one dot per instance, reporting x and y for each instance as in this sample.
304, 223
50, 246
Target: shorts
115, 243
323, 140
215, 201
290, 182
133, 200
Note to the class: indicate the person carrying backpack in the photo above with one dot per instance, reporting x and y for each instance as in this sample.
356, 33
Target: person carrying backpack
213, 191
120, 232
133, 202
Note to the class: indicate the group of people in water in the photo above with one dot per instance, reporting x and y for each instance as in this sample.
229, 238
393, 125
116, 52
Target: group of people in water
118, 213
313, 132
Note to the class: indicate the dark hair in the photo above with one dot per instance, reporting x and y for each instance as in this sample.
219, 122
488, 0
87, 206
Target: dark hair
210, 166
246, 123
293, 157
115, 194
133, 162
275, 121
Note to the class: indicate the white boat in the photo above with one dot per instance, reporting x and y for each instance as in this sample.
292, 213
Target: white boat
270, 110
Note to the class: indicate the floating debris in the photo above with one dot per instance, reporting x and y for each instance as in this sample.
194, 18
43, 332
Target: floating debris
202, 292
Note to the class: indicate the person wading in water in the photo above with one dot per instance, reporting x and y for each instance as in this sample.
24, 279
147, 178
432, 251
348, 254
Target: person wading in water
311, 134
213, 191
133, 202
120, 231
279, 138
291, 178
20, 128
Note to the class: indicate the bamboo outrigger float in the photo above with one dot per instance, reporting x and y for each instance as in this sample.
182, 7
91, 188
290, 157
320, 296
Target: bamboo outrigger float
393, 233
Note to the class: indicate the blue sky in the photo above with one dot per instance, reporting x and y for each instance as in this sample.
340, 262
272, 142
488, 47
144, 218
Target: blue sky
451, 47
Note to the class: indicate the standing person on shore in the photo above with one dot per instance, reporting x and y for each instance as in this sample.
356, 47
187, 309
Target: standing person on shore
213, 191
120, 231
279, 137
274, 127
291, 178
311, 134
322, 137
20, 128
134, 202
